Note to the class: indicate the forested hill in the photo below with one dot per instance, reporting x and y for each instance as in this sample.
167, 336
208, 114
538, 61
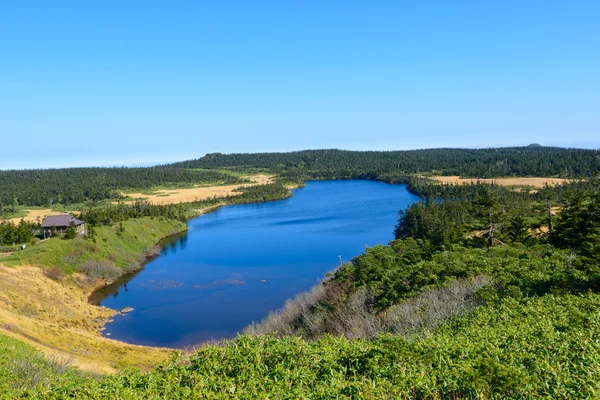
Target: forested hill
73, 185
45, 187
479, 163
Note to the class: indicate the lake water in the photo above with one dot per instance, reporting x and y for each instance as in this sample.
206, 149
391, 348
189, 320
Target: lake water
236, 264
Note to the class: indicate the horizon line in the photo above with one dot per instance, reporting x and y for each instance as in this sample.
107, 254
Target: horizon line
151, 164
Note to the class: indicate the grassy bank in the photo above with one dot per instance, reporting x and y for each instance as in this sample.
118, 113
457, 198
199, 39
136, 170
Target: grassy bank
123, 247
43, 299
22, 367
55, 317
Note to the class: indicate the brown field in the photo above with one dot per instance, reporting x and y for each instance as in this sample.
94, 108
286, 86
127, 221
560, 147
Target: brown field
172, 196
56, 318
164, 196
535, 182
32, 215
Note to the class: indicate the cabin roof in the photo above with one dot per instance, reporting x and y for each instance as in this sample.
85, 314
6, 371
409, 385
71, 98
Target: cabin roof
60, 220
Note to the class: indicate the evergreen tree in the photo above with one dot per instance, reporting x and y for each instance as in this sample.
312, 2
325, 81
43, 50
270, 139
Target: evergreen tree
71, 233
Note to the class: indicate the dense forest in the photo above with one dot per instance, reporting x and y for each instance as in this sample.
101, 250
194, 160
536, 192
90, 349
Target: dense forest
483, 214
479, 163
77, 185
46, 187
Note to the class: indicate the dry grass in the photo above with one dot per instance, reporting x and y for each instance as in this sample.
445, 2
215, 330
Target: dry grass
308, 316
171, 196
535, 182
432, 307
164, 196
33, 215
55, 317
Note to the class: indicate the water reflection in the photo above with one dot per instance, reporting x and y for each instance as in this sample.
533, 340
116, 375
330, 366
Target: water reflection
168, 245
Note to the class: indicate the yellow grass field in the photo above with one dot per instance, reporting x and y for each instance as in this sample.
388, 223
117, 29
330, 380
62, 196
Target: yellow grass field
164, 196
173, 196
32, 215
56, 318
535, 182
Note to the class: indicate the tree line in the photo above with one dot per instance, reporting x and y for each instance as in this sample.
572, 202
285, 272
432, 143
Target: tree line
109, 214
479, 163
482, 215
45, 187
20, 233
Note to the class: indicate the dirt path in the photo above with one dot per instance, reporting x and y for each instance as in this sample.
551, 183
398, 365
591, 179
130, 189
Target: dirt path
535, 182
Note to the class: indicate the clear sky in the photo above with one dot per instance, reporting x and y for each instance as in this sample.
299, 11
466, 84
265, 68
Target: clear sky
136, 82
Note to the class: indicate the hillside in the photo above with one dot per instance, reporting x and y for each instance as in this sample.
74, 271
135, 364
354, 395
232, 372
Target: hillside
476, 163
486, 292
56, 188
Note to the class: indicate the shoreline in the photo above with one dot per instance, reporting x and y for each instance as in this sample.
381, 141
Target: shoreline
120, 354
117, 286
55, 316
74, 329
103, 285
95, 317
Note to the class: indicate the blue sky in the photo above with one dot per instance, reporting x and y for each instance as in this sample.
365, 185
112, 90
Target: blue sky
137, 82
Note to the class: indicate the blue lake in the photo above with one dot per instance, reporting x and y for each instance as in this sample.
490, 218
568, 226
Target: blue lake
239, 262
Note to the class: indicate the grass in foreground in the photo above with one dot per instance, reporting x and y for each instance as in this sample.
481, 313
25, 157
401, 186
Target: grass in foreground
23, 368
531, 348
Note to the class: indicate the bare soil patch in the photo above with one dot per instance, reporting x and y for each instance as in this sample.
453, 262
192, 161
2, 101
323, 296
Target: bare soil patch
535, 182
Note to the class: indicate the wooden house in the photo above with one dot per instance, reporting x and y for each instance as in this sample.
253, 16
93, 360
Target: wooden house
61, 223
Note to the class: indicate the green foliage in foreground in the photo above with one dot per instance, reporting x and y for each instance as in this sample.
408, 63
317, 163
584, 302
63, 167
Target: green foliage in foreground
23, 368
539, 347
122, 248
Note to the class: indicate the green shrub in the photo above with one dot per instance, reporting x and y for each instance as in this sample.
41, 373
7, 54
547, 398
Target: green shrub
545, 347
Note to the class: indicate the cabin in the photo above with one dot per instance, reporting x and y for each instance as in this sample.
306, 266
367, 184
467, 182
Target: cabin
62, 223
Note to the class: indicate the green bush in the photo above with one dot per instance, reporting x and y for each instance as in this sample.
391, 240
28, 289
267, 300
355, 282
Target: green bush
545, 347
